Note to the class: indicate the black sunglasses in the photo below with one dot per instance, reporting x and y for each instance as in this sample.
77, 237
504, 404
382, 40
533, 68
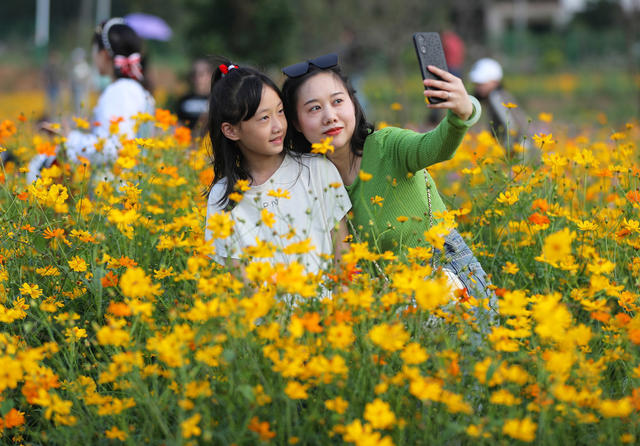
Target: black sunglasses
299, 69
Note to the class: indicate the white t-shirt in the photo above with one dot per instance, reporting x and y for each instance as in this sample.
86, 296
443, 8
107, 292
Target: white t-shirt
318, 200
123, 98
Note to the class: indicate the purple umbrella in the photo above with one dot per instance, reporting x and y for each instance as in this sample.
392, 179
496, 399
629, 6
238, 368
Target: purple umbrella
149, 26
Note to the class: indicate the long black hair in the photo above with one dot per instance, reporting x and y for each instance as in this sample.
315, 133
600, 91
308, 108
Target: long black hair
294, 139
235, 96
119, 39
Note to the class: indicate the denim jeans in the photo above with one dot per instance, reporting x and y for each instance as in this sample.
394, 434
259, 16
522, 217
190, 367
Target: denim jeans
459, 259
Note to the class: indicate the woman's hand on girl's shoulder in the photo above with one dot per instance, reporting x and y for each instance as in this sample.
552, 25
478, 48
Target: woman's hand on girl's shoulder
451, 89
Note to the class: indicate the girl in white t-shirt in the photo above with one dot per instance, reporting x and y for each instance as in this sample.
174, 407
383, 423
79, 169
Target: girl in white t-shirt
116, 50
287, 200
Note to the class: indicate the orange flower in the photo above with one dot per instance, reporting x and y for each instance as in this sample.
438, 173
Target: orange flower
46, 148
623, 318
109, 280
310, 322
604, 318
13, 418
633, 196
164, 119
56, 234
127, 262
119, 309
540, 204
538, 219
183, 135
261, 428
500, 292
635, 398
634, 336
604, 173
7, 128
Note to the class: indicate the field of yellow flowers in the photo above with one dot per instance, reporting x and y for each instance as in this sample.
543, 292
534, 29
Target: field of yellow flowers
117, 327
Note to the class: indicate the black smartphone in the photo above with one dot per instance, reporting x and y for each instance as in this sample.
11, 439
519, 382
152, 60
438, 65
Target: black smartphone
429, 50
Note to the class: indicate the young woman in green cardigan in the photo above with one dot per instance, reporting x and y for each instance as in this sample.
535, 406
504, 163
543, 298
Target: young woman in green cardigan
320, 102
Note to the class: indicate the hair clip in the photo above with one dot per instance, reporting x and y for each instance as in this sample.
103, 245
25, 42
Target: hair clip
129, 66
104, 35
224, 69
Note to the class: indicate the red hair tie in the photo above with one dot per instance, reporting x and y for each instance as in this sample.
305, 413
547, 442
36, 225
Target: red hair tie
224, 69
129, 66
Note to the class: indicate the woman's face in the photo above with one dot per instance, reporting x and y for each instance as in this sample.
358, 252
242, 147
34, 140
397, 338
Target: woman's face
325, 109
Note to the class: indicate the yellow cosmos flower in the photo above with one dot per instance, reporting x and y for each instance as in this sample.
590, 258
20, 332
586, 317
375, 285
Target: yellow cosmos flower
340, 336
379, 414
523, 430
508, 197
31, 290
364, 176
323, 147
377, 200
77, 264
545, 117
510, 268
543, 139
557, 246
268, 218
389, 337
616, 408
338, 405
115, 434
135, 284
80, 123
279, 193
414, 354
190, 428
221, 225
296, 391
242, 185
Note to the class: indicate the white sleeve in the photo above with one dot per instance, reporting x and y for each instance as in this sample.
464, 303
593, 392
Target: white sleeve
335, 198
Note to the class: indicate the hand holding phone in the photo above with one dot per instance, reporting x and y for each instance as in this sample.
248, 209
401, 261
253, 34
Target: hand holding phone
430, 52
443, 89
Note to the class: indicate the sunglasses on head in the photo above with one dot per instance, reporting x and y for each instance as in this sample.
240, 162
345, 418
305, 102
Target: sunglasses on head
302, 68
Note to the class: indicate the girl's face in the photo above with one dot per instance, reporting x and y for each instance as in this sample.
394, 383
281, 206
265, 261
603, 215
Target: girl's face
324, 108
262, 135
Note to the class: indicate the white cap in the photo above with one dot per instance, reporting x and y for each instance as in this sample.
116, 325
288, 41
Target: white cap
485, 70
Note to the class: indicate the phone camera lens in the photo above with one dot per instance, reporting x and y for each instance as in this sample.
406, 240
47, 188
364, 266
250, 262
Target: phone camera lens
423, 49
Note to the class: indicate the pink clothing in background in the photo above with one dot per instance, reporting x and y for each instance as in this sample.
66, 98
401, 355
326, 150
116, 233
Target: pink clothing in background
453, 47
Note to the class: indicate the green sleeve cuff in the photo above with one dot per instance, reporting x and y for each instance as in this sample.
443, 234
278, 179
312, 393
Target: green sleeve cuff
475, 115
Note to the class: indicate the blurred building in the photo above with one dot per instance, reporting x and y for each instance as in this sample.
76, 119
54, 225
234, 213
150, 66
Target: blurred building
502, 15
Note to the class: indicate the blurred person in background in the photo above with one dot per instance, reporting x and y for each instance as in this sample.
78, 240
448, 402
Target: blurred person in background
505, 120
80, 79
192, 108
116, 50
454, 51
52, 84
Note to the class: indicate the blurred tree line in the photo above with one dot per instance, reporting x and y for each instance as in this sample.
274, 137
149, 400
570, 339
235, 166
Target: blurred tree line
264, 32
272, 33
